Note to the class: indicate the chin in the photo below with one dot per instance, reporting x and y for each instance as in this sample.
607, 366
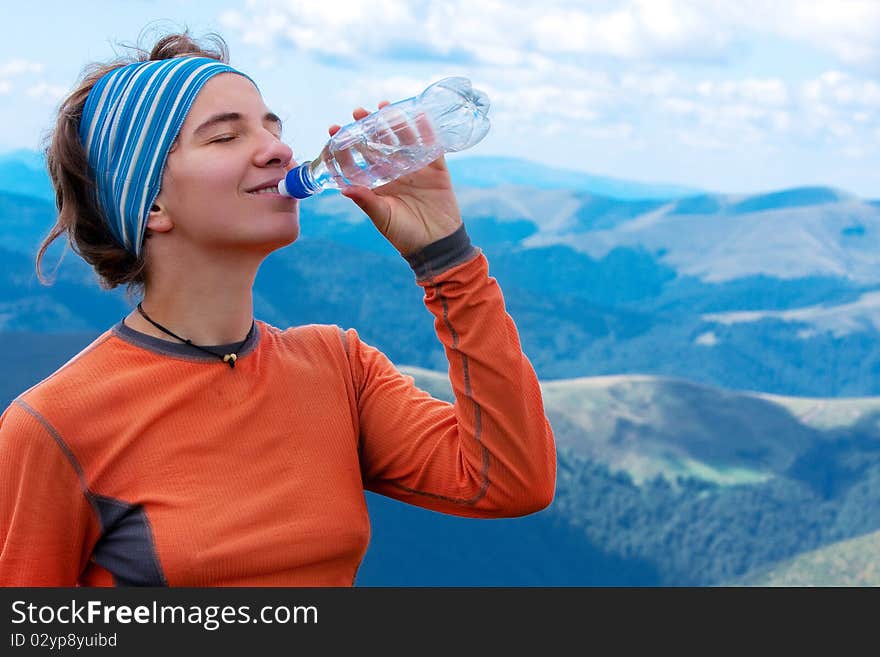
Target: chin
267, 235
283, 238
292, 233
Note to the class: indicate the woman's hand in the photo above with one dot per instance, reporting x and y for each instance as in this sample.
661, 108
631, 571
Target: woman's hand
414, 210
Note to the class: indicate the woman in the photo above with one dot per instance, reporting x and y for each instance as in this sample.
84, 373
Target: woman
192, 445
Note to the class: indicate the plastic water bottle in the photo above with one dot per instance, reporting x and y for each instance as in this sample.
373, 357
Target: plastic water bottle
448, 116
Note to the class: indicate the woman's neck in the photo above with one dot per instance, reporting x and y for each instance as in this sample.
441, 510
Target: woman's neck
215, 307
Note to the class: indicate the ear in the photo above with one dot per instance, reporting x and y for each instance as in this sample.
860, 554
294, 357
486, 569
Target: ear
158, 221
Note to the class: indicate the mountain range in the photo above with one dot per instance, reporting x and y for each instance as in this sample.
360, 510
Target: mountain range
775, 292
709, 364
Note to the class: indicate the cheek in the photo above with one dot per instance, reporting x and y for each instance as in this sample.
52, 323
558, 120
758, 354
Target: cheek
197, 187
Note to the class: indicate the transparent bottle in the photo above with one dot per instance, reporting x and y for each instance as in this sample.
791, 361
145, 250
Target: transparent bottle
448, 116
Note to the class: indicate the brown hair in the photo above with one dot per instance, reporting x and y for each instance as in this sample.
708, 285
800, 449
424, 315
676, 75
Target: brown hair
79, 215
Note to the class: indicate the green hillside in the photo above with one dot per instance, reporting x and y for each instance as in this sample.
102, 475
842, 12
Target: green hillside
848, 563
647, 426
828, 414
704, 484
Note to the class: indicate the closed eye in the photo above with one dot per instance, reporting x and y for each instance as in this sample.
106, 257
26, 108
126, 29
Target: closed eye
226, 138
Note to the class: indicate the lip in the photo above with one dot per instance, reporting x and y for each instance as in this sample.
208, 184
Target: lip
268, 195
279, 200
272, 182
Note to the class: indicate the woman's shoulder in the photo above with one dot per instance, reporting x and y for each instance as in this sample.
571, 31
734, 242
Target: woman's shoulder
309, 345
303, 334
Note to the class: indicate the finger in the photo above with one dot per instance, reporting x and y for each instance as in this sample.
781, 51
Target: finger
386, 129
351, 172
401, 127
371, 156
373, 205
426, 132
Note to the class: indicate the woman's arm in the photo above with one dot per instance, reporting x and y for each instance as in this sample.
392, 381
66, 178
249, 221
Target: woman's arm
47, 525
491, 453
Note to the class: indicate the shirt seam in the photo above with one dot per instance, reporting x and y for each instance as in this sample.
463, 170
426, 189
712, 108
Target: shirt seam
69, 456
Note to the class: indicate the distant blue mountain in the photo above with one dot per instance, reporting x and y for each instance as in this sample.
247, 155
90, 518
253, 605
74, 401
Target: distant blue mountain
26, 220
701, 204
495, 171
29, 158
796, 197
24, 172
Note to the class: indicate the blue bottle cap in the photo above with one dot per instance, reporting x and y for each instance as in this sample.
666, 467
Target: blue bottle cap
296, 183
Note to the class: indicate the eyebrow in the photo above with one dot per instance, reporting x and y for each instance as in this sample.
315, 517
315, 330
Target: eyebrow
232, 116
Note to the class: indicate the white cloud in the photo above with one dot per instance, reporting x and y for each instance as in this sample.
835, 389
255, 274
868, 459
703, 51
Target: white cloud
491, 32
761, 92
16, 67
495, 32
846, 28
43, 91
368, 92
854, 152
844, 90
708, 339
835, 108
843, 110
729, 112
640, 29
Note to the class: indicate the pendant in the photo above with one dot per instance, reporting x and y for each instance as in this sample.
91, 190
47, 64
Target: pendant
230, 358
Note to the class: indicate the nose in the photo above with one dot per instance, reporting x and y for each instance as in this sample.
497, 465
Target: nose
273, 152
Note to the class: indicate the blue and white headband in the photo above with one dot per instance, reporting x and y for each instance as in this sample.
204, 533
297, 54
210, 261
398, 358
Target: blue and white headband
130, 120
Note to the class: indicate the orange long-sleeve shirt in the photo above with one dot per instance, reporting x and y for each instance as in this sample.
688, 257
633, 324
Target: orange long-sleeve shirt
144, 462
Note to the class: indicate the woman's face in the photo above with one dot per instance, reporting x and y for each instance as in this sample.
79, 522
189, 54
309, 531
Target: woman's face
229, 147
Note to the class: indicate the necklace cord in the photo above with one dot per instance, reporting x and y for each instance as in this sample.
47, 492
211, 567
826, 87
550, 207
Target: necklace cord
226, 358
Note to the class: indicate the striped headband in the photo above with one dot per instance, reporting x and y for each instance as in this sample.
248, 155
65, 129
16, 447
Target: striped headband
130, 120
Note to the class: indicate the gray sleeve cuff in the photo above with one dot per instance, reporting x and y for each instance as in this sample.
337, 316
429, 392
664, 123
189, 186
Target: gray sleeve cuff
444, 254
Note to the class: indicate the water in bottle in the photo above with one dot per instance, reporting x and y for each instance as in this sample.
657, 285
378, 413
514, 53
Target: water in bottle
448, 116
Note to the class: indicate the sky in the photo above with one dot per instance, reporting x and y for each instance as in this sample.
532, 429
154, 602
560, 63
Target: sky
729, 97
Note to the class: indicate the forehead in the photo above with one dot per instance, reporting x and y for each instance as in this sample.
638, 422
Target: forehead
226, 92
